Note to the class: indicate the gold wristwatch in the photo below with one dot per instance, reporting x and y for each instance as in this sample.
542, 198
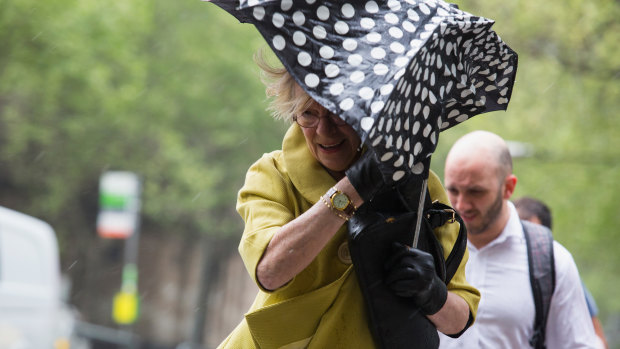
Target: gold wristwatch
341, 202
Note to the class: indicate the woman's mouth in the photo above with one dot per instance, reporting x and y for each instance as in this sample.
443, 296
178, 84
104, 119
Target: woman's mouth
331, 147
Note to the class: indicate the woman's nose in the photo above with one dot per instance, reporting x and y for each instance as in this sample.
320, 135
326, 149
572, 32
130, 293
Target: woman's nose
325, 124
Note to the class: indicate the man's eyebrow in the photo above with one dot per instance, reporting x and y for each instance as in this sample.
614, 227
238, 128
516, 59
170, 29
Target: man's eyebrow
476, 188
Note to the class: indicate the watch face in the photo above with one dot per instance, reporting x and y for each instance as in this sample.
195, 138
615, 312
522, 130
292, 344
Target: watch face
340, 201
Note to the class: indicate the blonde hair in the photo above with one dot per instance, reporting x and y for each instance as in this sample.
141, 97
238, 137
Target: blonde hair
287, 97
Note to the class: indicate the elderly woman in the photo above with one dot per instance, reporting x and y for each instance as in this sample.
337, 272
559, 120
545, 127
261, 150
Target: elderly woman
296, 203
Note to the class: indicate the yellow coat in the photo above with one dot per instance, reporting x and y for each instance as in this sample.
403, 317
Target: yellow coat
322, 307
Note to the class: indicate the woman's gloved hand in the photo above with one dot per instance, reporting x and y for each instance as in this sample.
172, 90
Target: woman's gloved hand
410, 273
369, 175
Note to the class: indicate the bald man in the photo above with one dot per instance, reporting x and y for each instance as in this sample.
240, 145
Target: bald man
480, 182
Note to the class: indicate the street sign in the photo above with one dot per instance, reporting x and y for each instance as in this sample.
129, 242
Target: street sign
119, 204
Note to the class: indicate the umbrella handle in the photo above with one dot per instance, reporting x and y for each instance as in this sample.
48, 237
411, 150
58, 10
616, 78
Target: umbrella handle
416, 234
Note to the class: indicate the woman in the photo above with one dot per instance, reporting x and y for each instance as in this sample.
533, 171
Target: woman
295, 244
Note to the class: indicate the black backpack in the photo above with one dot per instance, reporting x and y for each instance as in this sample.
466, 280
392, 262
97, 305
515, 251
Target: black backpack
541, 262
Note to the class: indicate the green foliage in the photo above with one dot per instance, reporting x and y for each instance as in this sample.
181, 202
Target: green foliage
163, 89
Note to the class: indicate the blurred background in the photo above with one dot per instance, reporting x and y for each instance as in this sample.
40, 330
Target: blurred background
168, 91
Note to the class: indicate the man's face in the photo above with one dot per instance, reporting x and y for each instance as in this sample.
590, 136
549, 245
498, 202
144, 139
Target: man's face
476, 193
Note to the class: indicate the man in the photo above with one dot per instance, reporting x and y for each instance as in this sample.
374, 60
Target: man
534, 210
538, 212
479, 181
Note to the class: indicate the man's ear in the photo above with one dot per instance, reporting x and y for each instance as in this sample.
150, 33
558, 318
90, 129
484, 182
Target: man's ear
509, 185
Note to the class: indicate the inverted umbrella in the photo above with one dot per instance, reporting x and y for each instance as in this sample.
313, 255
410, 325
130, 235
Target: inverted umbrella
399, 72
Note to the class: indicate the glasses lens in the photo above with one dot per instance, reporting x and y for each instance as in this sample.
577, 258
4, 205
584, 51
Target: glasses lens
310, 120
336, 120
307, 120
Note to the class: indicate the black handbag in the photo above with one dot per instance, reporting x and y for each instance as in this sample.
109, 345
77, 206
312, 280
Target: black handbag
395, 321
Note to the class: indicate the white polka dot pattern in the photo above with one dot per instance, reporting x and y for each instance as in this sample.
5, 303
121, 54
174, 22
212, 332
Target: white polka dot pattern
398, 71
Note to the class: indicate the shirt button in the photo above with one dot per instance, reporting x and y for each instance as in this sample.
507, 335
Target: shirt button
343, 253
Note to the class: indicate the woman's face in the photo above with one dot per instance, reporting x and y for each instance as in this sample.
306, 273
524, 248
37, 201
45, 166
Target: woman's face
334, 146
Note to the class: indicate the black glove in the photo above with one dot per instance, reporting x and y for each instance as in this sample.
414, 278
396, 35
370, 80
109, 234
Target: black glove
369, 175
410, 273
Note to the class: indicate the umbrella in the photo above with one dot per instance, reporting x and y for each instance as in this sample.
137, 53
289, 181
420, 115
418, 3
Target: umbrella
399, 72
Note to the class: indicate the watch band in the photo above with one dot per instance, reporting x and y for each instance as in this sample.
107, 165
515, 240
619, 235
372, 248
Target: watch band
336, 212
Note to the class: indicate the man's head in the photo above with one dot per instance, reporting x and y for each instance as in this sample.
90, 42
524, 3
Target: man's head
479, 181
534, 210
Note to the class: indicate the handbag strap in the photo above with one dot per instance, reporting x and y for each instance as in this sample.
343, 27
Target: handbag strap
439, 214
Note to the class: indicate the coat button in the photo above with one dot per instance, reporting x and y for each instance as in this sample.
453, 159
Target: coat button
343, 253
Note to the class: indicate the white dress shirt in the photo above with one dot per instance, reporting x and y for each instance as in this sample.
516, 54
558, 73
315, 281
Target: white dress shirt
505, 315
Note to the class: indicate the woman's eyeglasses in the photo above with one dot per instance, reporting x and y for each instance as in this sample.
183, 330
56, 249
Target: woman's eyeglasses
311, 120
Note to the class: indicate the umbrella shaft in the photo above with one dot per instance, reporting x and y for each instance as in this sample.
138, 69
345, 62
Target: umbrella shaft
418, 222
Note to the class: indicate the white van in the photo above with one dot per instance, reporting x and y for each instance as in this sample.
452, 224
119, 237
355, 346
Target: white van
32, 313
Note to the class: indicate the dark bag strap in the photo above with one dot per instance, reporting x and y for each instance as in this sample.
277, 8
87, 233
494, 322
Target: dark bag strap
541, 262
439, 214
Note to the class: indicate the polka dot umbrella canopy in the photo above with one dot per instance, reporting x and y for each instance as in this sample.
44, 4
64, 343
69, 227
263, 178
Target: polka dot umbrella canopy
399, 72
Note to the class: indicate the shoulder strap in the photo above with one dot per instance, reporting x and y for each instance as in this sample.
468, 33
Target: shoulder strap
541, 261
439, 214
